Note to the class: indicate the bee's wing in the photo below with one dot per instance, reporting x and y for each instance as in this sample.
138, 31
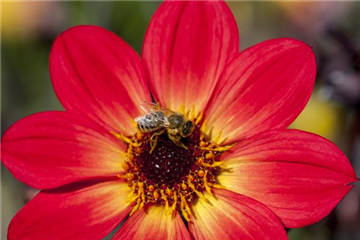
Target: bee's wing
139, 119
150, 107
160, 118
156, 118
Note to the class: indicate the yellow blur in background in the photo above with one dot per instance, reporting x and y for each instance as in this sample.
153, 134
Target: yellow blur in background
320, 117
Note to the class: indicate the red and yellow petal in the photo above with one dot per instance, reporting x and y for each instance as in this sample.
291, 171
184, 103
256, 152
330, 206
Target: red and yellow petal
73, 213
50, 149
264, 88
229, 215
94, 72
186, 47
153, 223
300, 176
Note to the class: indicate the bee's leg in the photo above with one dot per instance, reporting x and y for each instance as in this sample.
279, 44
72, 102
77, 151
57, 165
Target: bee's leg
153, 142
177, 140
154, 139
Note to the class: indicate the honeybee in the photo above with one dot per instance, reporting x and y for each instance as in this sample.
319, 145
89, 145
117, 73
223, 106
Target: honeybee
163, 119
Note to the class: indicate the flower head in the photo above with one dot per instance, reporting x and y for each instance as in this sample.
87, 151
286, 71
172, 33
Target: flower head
210, 158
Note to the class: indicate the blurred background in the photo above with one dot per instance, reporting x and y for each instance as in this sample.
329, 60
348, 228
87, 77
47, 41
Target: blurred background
331, 28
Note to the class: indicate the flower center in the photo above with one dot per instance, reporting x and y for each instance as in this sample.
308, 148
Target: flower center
171, 173
168, 163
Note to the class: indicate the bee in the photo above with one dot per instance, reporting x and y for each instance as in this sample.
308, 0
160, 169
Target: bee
152, 121
159, 119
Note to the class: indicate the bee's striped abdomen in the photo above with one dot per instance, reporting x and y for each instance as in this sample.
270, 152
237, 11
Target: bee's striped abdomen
150, 122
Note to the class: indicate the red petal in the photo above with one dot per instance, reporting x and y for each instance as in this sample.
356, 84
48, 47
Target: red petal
50, 149
96, 73
301, 177
265, 87
72, 213
153, 223
186, 47
232, 216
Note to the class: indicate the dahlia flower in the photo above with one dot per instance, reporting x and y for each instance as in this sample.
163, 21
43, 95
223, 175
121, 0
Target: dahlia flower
238, 174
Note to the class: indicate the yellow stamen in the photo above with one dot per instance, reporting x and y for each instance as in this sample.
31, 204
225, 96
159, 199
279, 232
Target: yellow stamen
125, 139
185, 210
156, 195
127, 176
125, 166
214, 185
141, 191
132, 196
139, 135
151, 188
203, 127
210, 147
208, 189
191, 178
224, 148
199, 194
169, 192
199, 117
185, 215
139, 197
210, 155
201, 173
163, 196
132, 199
173, 207
136, 207
193, 112
202, 144
215, 164
142, 204
217, 138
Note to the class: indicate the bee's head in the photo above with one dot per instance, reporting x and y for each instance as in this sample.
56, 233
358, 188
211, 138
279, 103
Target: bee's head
176, 120
187, 129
